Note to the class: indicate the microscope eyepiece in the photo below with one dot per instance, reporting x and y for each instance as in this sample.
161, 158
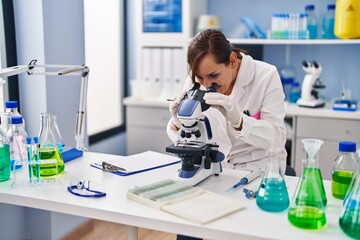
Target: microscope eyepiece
213, 87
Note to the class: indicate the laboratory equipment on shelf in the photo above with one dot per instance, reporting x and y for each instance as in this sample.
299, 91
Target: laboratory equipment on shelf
295, 92
4, 157
288, 26
311, 86
347, 19
206, 21
272, 195
328, 23
307, 209
11, 107
73, 70
349, 220
17, 138
199, 155
312, 23
343, 169
49, 149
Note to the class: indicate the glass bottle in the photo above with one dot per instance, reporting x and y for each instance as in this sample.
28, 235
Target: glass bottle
311, 21
349, 220
343, 169
48, 148
4, 157
17, 139
55, 130
328, 23
272, 194
295, 92
12, 108
307, 206
287, 75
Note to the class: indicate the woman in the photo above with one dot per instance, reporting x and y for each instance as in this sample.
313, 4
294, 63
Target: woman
250, 99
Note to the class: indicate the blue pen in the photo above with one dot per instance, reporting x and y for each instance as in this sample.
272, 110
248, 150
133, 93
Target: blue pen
247, 179
29, 155
37, 157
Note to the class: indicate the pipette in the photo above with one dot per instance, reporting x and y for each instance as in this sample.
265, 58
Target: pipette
247, 179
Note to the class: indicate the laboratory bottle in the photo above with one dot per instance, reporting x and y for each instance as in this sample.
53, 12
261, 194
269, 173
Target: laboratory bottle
49, 148
287, 75
328, 23
295, 92
312, 25
307, 209
56, 132
349, 220
17, 139
343, 169
12, 108
272, 195
4, 157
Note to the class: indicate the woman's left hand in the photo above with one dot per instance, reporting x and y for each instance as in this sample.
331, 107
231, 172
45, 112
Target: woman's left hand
225, 106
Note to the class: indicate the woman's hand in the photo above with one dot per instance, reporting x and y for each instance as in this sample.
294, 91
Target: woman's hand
173, 107
226, 107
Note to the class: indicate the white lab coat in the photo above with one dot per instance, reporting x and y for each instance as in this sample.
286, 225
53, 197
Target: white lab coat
257, 89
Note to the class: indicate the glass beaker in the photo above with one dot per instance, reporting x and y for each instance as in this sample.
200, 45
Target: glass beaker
272, 194
349, 220
49, 148
56, 132
307, 206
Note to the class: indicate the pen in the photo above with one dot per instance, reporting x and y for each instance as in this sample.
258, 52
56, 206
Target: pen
29, 155
247, 179
111, 168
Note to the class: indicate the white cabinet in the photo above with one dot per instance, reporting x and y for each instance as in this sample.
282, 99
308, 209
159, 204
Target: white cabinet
160, 51
146, 125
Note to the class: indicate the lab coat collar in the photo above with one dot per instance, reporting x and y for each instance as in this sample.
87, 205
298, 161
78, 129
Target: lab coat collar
245, 75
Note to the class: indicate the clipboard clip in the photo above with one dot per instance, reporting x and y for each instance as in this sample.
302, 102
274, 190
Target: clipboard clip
108, 167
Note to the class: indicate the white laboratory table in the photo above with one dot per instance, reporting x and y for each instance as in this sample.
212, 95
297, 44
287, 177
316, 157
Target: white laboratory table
249, 223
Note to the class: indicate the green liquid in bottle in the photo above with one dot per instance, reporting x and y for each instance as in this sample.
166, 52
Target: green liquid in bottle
307, 217
50, 169
308, 186
340, 183
4, 162
349, 223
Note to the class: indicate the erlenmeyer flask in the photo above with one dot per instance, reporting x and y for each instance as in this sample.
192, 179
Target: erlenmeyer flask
307, 206
272, 194
349, 220
48, 148
56, 132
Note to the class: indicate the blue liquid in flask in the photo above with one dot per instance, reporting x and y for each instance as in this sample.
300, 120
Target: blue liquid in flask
273, 196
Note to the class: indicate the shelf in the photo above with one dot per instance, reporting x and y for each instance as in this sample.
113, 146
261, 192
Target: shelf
293, 42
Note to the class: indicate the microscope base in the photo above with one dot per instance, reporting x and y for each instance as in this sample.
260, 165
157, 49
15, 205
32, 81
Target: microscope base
200, 175
316, 103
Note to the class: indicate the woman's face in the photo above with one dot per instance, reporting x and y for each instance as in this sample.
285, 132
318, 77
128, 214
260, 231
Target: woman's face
209, 72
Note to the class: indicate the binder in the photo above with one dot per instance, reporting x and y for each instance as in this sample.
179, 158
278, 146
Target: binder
146, 70
137, 163
179, 69
156, 80
167, 73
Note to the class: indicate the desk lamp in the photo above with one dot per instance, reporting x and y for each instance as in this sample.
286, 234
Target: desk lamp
81, 70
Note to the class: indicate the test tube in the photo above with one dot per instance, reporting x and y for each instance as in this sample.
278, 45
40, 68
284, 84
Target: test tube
29, 155
37, 157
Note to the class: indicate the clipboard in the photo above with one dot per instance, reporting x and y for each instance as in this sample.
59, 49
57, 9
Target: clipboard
138, 163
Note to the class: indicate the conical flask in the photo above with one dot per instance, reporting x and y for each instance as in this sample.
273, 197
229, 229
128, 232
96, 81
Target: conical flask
56, 132
307, 206
49, 148
349, 220
272, 194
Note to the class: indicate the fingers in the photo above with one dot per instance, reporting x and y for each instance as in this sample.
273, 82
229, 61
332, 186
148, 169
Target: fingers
214, 98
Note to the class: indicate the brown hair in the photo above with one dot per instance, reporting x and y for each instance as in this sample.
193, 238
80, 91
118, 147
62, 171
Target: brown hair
213, 42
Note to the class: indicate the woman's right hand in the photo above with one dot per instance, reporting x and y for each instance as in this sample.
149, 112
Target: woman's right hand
173, 107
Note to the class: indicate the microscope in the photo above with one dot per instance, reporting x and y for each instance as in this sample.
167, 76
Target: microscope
199, 155
311, 85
